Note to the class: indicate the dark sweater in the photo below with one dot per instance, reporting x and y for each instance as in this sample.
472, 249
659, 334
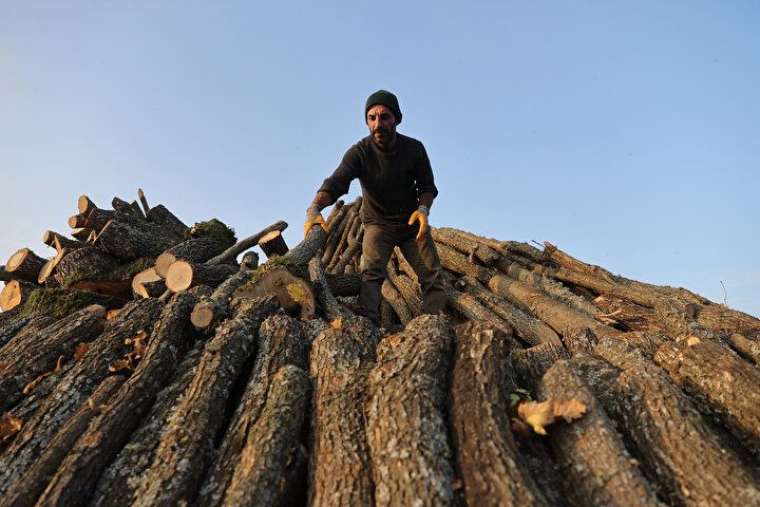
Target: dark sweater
391, 182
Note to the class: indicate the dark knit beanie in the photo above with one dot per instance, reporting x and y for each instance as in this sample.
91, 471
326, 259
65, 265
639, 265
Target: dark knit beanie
384, 98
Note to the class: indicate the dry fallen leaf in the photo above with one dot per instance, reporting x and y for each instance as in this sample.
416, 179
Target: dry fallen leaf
569, 410
120, 365
81, 350
110, 314
337, 323
58, 365
31, 386
9, 426
536, 414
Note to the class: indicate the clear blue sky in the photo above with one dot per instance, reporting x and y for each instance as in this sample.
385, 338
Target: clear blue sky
627, 133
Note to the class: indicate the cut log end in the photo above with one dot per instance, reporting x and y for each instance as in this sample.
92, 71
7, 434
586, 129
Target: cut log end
202, 315
273, 244
179, 276
13, 294
85, 205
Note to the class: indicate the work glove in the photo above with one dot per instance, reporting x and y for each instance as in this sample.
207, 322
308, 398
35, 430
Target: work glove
421, 216
313, 217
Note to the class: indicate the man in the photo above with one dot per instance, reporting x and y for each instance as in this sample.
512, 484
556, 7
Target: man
398, 191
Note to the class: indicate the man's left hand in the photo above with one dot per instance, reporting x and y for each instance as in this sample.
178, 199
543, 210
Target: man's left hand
420, 215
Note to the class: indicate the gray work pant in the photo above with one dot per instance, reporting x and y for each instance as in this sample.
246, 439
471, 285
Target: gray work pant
377, 248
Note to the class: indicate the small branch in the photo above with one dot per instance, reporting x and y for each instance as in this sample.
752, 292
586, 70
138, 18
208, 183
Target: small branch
243, 245
143, 200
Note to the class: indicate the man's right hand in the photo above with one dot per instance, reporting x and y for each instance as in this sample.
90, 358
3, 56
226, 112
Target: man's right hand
313, 217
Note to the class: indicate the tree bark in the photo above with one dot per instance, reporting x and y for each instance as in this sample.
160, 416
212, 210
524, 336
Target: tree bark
503, 247
123, 206
25, 265
210, 311
163, 217
563, 319
74, 388
469, 307
329, 304
85, 205
25, 359
97, 219
281, 343
490, 464
294, 294
671, 440
393, 297
339, 469
59, 241
271, 443
306, 249
59, 303
14, 325
184, 274
273, 244
129, 238
143, 201
458, 263
473, 249
721, 383
408, 288
88, 263
406, 416
15, 294
531, 330
232, 252
531, 364
184, 452
4, 275
335, 231
196, 250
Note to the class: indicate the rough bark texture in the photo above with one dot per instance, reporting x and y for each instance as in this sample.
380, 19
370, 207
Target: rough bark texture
596, 468
483, 253
25, 359
491, 467
59, 241
720, 382
241, 246
185, 450
339, 470
272, 443
281, 343
306, 249
210, 311
531, 364
129, 238
88, 263
393, 297
25, 265
294, 294
14, 324
406, 416
96, 219
196, 250
59, 303
675, 447
164, 218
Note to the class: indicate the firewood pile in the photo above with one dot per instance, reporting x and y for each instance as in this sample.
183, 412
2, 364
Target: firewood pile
148, 362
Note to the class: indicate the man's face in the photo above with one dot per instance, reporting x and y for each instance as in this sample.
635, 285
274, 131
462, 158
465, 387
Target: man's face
382, 126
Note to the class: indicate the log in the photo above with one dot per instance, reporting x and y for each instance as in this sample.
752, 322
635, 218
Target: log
196, 250
502, 247
491, 467
335, 231
127, 208
171, 337
749, 349
85, 205
330, 306
4, 275
15, 293
88, 263
594, 463
563, 319
25, 492
458, 263
59, 303
77, 221
161, 216
721, 383
143, 201
119, 481
294, 294
81, 234
531, 364
44, 277
352, 217
184, 452
333, 213
210, 311
669, 437
306, 249
273, 244
281, 343
184, 274
473, 249
407, 287
97, 219
129, 238
341, 285
354, 248
272, 443
406, 415
143, 278
24, 265
14, 324
339, 468
393, 297
721, 318
530, 329
60, 242
249, 260
74, 388
241, 246
25, 359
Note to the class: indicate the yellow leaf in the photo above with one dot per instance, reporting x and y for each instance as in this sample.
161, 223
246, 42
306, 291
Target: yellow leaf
569, 410
692, 340
536, 414
9, 426
337, 323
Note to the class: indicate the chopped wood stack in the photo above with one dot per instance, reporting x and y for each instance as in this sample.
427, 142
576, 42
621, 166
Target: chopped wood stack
143, 364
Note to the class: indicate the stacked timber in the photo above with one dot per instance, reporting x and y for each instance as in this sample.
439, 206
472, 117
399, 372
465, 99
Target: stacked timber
148, 362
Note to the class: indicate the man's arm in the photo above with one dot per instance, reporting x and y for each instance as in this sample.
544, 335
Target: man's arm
332, 188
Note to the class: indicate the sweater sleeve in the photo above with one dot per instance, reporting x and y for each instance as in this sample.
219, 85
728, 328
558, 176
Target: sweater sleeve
424, 174
340, 180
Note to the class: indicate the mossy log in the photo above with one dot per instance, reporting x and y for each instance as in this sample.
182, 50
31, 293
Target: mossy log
118, 482
25, 359
531, 364
88, 263
16, 293
161, 216
564, 320
184, 274
492, 469
473, 249
14, 323
352, 219
196, 250
272, 444
61, 302
273, 244
530, 329
74, 388
294, 294
281, 342
669, 436
231, 253
595, 465
406, 415
25, 492
339, 468
129, 238
171, 337
721, 383
59, 241
394, 298
25, 265
184, 453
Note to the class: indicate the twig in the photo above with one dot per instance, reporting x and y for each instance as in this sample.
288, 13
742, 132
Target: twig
725, 294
